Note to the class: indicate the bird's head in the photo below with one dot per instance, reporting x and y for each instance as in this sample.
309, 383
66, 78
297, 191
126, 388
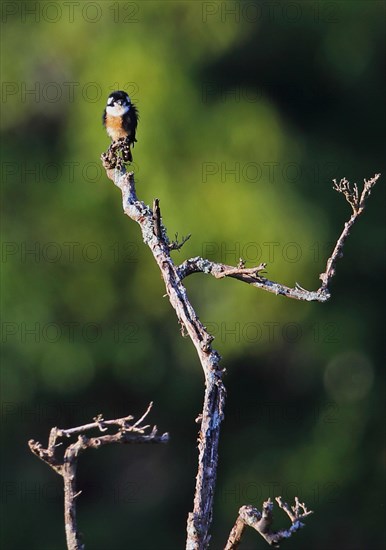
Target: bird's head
118, 103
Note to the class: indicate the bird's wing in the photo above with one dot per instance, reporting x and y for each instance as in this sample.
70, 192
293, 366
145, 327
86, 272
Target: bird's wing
134, 115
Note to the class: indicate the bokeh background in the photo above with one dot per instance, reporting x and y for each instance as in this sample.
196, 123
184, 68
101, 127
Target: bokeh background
248, 111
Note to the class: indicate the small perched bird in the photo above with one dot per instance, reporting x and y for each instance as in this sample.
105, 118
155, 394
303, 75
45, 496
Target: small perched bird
120, 118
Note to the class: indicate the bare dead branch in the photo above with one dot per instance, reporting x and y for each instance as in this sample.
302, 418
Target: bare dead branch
252, 275
262, 521
357, 203
66, 464
200, 519
155, 236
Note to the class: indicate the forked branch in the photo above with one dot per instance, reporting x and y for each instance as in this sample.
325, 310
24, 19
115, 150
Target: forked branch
155, 236
65, 461
357, 202
262, 521
252, 275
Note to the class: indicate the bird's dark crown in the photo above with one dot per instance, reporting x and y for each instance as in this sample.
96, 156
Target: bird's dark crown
119, 97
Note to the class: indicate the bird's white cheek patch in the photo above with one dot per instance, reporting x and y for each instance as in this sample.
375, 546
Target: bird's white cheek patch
117, 110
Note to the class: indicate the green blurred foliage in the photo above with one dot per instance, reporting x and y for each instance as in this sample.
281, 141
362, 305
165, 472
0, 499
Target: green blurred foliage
247, 112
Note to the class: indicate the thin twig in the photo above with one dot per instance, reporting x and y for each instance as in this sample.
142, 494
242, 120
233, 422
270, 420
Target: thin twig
98, 423
140, 420
358, 205
176, 245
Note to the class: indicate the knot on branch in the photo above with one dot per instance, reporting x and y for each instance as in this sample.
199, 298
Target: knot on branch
206, 343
